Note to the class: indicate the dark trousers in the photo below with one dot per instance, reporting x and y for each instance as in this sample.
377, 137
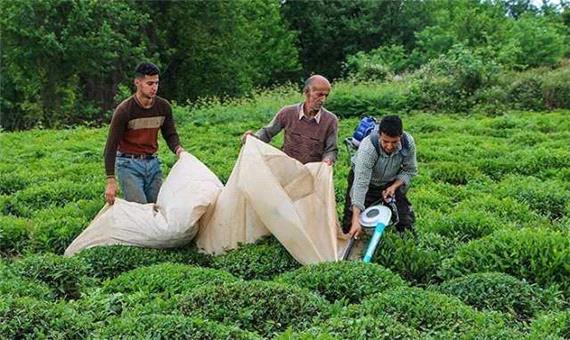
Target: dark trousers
374, 194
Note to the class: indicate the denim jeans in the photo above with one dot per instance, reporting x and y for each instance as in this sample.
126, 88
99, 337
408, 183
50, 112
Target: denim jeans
139, 179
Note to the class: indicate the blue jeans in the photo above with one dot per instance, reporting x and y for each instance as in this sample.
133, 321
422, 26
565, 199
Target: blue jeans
139, 179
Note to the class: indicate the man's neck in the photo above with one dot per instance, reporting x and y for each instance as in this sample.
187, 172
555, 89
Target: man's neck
308, 112
144, 101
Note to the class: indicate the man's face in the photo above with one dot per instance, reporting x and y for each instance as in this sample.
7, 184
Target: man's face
147, 86
316, 96
389, 144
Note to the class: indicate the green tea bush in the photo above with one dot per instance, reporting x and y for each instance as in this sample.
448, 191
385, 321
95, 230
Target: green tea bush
260, 306
10, 183
428, 311
169, 327
14, 235
15, 286
32, 319
166, 279
454, 173
262, 260
110, 261
52, 194
537, 255
379, 326
463, 224
346, 280
416, 262
546, 197
551, 326
64, 275
499, 292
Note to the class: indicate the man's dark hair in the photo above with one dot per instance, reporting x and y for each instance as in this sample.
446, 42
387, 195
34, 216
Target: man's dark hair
391, 126
146, 69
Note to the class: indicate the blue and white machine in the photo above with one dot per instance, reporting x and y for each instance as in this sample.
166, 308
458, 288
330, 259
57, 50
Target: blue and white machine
374, 219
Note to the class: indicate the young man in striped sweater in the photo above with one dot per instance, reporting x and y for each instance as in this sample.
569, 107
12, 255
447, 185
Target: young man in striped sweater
132, 142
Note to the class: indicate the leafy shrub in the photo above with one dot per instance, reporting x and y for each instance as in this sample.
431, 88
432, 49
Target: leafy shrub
63, 274
51, 194
415, 262
453, 173
428, 311
166, 278
556, 89
15, 286
170, 327
262, 260
29, 318
14, 235
110, 261
525, 92
463, 224
263, 307
546, 197
537, 255
551, 326
379, 326
11, 183
346, 280
500, 292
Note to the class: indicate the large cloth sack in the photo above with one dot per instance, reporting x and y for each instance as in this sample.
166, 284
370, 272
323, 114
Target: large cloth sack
184, 197
271, 193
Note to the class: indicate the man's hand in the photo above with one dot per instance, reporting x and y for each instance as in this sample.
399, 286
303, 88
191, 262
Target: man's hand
244, 136
179, 151
328, 162
111, 190
355, 230
388, 193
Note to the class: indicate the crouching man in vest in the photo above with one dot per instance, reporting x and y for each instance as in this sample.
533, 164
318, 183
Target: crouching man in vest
383, 168
310, 130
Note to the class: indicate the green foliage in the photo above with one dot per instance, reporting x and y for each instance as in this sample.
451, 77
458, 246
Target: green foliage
29, 318
454, 173
416, 262
170, 327
64, 275
15, 286
525, 92
263, 307
430, 312
166, 279
14, 235
377, 64
262, 260
347, 326
537, 255
462, 224
551, 326
110, 261
347, 280
499, 292
556, 89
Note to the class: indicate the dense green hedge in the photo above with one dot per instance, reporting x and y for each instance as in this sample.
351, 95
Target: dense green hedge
16, 286
260, 306
65, 275
166, 279
110, 261
415, 261
346, 280
430, 312
500, 292
33, 319
169, 327
262, 260
14, 235
551, 326
537, 255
